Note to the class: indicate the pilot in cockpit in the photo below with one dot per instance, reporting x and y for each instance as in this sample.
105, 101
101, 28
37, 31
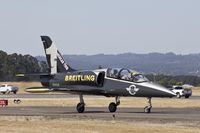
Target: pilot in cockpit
115, 73
126, 77
112, 73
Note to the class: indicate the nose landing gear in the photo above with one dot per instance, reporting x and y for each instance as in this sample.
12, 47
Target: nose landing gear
113, 106
147, 109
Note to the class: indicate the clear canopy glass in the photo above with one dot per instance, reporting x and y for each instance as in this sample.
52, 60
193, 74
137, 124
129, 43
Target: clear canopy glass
126, 74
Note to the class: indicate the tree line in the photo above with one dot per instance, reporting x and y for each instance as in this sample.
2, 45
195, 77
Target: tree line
12, 64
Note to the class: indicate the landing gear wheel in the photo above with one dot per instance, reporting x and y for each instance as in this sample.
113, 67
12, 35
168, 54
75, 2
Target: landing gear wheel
112, 107
147, 109
80, 107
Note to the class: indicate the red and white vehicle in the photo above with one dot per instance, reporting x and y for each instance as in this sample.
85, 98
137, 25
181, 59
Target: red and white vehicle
8, 88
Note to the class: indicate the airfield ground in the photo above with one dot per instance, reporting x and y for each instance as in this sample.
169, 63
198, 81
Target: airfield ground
57, 113
91, 126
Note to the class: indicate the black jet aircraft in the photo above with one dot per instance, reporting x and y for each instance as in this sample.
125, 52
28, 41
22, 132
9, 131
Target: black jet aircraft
110, 82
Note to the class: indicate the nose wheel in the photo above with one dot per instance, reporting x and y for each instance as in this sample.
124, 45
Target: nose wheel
147, 109
113, 106
80, 106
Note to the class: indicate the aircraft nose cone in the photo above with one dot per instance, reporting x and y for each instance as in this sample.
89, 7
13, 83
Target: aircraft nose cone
159, 91
164, 91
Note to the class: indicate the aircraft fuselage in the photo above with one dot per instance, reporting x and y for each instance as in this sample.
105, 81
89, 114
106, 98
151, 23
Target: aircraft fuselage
97, 82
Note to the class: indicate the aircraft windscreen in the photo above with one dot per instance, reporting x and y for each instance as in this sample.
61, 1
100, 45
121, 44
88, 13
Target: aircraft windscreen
126, 74
139, 78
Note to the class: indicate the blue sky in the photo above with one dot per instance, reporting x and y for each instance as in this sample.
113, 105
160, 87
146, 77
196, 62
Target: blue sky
101, 26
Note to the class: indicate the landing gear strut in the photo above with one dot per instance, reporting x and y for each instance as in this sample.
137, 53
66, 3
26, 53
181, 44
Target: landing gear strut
81, 106
147, 109
113, 106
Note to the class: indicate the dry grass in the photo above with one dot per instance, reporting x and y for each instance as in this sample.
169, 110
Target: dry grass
196, 91
87, 126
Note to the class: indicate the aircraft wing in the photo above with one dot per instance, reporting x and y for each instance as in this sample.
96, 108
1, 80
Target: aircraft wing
46, 89
66, 90
37, 89
32, 74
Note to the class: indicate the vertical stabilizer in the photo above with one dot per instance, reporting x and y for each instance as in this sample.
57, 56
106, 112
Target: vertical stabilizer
54, 58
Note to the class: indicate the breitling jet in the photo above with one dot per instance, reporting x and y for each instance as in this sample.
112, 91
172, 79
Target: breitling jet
109, 82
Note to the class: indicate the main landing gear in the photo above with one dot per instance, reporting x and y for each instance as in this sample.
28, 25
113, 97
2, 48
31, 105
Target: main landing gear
81, 106
113, 106
147, 109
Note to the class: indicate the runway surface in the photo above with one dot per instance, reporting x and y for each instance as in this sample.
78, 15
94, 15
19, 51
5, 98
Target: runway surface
158, 115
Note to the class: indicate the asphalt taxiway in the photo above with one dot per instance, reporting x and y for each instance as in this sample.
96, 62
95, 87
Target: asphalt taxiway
158, 115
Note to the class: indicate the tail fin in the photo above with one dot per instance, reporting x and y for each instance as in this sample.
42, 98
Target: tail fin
54, 58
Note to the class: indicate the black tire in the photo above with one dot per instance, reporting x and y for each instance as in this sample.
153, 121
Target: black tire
112, 107
147, 109
80, 107
14, 92
187, 96
4, 92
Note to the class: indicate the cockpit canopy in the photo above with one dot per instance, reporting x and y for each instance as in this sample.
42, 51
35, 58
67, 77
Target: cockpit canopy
126, 74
